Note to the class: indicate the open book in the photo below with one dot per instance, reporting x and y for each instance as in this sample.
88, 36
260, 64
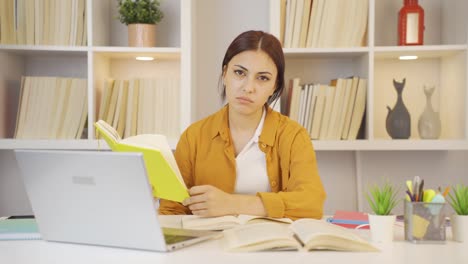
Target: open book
303, 234
161, 166
227, 221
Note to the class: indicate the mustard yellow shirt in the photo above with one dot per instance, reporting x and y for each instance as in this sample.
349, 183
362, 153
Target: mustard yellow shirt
205, 155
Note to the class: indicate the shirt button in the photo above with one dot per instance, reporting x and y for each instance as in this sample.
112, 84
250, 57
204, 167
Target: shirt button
273, 183
263, 145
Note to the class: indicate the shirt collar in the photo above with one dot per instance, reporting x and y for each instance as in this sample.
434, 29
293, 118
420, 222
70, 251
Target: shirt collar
267, 130
259, 129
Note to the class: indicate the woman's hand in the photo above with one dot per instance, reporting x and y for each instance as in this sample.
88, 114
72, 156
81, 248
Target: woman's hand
207, 200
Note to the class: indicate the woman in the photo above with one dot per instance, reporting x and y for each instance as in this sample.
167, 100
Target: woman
247, 158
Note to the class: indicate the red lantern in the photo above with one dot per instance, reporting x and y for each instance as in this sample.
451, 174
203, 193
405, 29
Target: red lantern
411, 24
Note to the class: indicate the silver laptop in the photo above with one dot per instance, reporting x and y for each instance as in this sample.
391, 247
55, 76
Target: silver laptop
99, 198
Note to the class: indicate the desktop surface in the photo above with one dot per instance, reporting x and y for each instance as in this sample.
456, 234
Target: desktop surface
400, 251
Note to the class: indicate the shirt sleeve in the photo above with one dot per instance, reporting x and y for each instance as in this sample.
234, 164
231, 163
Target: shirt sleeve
302, 194
183, 159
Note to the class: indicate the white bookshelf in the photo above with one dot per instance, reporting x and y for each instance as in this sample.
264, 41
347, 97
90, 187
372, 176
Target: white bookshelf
442, 62
106, 55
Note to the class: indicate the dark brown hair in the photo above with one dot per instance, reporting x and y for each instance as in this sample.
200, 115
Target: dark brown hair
258, 40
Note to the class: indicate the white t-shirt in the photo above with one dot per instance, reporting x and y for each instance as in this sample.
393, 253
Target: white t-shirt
251, 169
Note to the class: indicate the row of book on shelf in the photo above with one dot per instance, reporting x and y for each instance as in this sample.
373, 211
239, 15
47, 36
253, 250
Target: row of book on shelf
141, 106
57, 108
51, 108
328, 112
43, 22
323, 23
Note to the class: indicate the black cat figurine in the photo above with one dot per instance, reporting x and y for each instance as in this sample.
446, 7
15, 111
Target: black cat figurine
398, 123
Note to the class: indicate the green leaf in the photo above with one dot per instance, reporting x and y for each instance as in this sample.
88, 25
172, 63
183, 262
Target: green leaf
382, 200
459, 199
139, 11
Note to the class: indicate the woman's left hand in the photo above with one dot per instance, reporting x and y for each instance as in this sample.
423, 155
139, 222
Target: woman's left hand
207, 200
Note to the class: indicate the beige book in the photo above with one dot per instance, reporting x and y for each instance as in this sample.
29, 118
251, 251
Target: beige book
282, 20
136, 95
73, 110
304, 234
30, 22
305, 23
63, 94
358, 109
315, 23
318, 111
7, 22
84, 109
344, 107
109, 117
105, 99
290, 15
297, 24
38, 22
295, 99
129, 113
310, 106
336, 109
302, 104
350, 105
80, 23
21, 22
123, 109
22, 106
227, 221
84, 36
360, 30
49, 21
327, 109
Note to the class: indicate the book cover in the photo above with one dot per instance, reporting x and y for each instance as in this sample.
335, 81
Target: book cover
350, 219
163, 173
19, 229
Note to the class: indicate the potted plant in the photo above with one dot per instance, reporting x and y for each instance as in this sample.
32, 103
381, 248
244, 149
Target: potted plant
141, 17
459, 220
382, 200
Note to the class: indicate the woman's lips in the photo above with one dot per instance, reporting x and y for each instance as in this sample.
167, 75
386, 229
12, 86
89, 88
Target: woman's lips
244, 99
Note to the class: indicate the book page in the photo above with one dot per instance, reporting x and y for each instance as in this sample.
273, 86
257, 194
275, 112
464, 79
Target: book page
318, 234
252, 219
257, 237
107, 130
209, 223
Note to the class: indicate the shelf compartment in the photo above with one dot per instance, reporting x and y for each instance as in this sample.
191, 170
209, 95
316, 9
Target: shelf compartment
109, 31
444, 68
120, 64
445, 22
69, 63
323, 67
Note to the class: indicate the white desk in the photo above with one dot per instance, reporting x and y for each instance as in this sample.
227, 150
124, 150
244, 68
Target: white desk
38, 252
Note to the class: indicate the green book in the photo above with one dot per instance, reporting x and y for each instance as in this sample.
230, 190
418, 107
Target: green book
19, 229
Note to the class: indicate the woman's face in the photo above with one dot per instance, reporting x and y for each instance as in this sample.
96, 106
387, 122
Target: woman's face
250, 78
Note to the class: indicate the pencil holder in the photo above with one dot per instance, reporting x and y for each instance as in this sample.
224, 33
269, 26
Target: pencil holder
425, 222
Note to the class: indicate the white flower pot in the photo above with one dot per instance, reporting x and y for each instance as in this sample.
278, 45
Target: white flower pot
459, 225
381, 228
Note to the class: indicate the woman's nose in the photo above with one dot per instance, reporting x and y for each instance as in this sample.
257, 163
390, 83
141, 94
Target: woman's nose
249, 85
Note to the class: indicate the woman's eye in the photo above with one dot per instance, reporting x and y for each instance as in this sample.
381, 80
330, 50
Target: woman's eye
264, 78
239, 72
